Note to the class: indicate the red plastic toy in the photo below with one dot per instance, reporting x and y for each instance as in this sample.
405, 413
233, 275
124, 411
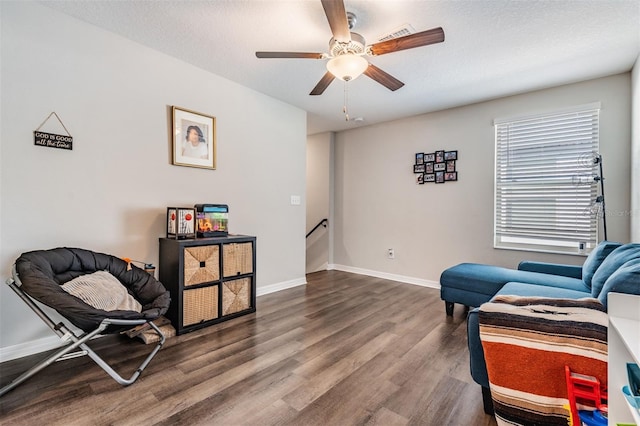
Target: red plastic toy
585, 391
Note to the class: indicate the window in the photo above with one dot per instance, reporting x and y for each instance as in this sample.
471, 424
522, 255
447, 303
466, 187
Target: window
545, 188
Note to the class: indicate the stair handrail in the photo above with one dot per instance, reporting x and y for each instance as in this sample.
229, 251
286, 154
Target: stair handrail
323, 222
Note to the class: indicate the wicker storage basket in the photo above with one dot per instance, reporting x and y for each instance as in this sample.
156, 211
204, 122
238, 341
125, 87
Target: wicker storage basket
236, 296
201, 264
238, 259
199, 304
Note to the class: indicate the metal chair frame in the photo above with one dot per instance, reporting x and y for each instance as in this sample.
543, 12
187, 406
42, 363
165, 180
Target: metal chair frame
76, 341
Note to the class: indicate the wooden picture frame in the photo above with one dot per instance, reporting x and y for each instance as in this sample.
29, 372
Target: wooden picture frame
194, 138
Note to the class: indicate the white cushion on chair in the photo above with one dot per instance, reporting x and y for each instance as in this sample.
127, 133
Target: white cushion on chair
102, 291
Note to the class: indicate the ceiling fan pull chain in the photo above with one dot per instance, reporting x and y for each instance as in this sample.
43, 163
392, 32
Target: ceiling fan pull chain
345, 110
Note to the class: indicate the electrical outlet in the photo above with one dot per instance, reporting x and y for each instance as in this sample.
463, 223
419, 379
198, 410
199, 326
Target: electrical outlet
295, 200
391, 254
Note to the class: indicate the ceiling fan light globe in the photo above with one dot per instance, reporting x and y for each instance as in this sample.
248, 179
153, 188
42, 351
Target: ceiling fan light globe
347, 67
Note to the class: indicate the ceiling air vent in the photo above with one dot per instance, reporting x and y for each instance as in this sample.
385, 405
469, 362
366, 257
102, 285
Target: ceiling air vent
401, 31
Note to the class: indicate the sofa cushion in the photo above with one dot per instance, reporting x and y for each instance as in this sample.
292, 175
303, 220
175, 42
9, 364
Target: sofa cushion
595, 259
625, 279
573, 271
611, 263
535, 290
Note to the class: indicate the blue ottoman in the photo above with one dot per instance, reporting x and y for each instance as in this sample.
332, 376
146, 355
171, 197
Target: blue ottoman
471, 284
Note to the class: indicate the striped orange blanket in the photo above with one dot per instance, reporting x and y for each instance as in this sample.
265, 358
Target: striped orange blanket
528, 341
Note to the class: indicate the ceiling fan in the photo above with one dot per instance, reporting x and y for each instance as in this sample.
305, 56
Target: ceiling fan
347, 50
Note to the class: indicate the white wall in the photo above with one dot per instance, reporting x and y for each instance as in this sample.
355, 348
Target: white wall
635, 154
431, 227
319, 193
111, 191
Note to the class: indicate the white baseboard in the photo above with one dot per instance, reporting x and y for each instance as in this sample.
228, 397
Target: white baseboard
261, 291
387, 276
30, 348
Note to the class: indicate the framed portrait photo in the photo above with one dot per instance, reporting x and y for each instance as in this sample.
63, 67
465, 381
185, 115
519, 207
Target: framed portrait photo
194, 139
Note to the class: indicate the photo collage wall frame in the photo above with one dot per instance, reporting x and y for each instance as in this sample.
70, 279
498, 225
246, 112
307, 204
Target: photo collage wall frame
436, 167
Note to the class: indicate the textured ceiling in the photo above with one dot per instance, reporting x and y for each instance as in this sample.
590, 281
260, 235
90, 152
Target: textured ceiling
492, 48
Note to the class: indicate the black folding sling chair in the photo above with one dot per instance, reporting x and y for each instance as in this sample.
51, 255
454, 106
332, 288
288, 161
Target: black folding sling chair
39, 275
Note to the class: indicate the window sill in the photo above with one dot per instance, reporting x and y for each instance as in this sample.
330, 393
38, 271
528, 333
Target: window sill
569, 252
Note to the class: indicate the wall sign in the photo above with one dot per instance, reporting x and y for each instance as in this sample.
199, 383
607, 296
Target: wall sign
438, 167
52, 140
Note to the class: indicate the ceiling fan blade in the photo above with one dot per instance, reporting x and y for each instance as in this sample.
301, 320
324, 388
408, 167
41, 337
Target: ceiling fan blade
324, 82
384, 78
337, 17
302, 55
423, 38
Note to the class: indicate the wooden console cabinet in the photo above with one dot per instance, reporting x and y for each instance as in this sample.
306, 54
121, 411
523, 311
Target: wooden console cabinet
210, 279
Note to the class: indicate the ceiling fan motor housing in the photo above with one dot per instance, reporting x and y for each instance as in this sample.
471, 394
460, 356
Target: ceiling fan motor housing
355, 46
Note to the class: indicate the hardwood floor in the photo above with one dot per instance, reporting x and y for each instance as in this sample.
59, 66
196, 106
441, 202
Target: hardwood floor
343, 350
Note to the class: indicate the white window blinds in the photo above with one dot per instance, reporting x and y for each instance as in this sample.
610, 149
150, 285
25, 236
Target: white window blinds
545, 187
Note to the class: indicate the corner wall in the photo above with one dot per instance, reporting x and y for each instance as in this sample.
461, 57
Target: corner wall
319, 194
431, 227
111, 191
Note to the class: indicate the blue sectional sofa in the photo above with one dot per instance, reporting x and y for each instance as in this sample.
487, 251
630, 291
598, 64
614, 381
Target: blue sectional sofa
610, 267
